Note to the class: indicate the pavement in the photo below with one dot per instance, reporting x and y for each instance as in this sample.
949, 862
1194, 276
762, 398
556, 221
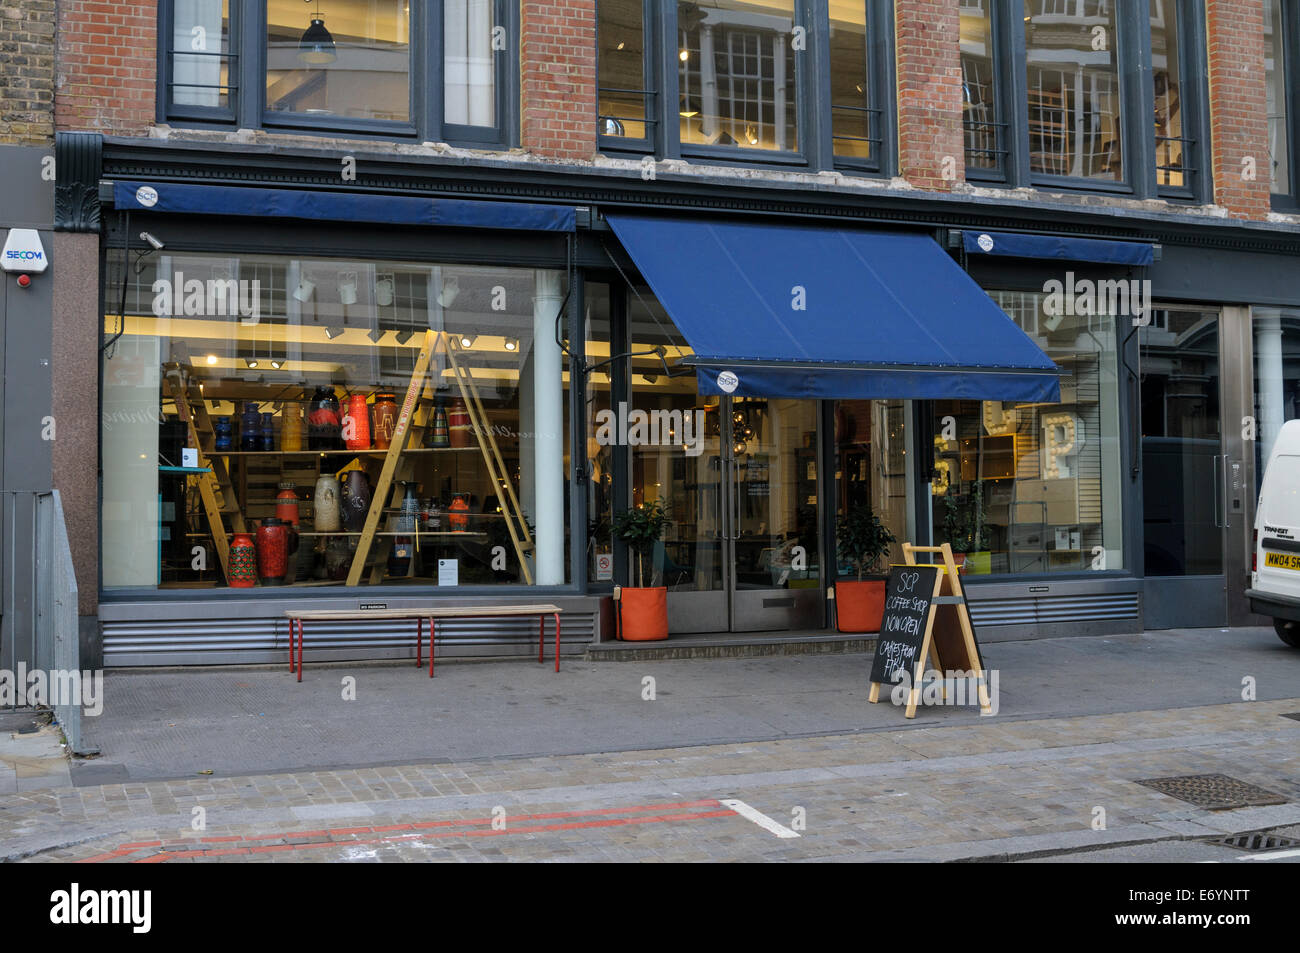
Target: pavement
729, 760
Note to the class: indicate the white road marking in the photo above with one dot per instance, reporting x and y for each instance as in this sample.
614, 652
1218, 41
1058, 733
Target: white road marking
759, 818
1275, 855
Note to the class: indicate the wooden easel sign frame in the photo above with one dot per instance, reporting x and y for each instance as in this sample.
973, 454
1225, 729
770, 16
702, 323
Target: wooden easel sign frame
913, 597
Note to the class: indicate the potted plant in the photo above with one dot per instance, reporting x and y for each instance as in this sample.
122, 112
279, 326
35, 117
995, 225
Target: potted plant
863, 540
643, 608
967, 530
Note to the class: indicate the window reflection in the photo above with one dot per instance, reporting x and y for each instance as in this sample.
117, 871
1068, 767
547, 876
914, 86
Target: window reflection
1074, 89
339, 58
1275, 73
979, 106
1166, 80
736, 74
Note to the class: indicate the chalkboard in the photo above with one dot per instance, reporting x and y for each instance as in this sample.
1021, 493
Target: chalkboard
902, 630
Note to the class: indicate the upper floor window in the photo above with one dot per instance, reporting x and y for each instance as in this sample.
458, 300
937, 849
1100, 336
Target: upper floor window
1281, 22
1051, 94
802, 82
343, 66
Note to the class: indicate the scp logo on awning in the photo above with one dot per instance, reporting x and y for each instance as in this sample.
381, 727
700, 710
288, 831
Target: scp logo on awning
24, 252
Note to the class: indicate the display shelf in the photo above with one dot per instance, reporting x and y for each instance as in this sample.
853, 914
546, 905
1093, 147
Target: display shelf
413, 535
330, 453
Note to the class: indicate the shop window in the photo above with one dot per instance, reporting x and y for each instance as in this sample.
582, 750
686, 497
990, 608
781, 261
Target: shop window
343, 66
803, 82
1281, 46
1036, 488
1277, 377
1049, 97
871, 471
288, 375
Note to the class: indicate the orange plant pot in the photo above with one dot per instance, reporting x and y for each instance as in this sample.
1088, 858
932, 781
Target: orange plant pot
859, 606
643, 614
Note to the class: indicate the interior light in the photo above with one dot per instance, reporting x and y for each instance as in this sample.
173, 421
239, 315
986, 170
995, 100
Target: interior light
621, 44
467, 340
277, 363
212, 359
450, 291
332, 332
317, 46
512, 344
251, 361
375, 334
684, 55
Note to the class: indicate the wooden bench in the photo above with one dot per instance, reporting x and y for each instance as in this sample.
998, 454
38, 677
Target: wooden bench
298, 617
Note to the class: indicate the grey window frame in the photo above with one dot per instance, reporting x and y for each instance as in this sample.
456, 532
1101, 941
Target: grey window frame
248, 73
1137, 105
816, 150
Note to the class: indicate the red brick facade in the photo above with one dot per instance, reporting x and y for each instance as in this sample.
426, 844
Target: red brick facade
107, 66
557, 64
928, 43
1238, 120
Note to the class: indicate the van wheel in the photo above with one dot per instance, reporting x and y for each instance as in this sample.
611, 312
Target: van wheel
1288, 632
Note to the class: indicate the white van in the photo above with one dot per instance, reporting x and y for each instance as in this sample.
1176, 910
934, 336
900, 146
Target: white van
1275, 564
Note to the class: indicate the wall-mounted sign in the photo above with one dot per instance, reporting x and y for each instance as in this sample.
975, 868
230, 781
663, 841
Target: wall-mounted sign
604, 566
448, 572
24, 252
728, 382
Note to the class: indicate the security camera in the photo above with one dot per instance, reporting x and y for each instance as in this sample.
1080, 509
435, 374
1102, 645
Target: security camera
157, 245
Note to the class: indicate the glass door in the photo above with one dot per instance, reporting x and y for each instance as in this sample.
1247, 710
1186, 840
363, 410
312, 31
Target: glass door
1185, 470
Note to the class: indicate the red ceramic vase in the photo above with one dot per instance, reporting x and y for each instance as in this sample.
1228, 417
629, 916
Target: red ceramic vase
273, 540
385, 420
241, 563
458, 513
356, 424
286, 505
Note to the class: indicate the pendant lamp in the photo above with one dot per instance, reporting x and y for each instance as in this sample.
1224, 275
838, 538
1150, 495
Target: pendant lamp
317, 46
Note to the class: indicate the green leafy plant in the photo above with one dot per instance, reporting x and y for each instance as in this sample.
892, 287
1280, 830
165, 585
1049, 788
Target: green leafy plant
640, 528
964, 521
862, 539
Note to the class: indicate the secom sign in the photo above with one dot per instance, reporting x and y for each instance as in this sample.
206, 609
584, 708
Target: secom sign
24, 252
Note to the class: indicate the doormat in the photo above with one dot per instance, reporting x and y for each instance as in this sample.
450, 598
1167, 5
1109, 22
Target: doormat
1214, 792
1258, 840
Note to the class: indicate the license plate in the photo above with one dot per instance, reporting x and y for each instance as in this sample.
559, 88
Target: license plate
1282, 561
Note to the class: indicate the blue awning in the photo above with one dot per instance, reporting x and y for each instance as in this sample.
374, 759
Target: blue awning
340, 207
787, 311
1018, 245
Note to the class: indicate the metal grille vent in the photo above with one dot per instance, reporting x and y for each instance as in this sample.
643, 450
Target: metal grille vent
1214, 792
1258, 840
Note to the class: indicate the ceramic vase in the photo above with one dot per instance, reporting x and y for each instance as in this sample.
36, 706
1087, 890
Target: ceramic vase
250, 428
268, 432
356, 500
224, 429
273, 543
241, 563
385, 420
438, 431
291, 428
356, 425
286, 504
458, 424
325, 505
323, 425
458, 513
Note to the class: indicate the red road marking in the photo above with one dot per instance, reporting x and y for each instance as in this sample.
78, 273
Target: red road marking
426, 830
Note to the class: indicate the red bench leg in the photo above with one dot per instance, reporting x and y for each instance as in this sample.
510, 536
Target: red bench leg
541, 636
300, 649
419, 642
432, 629
292, 628
557, 641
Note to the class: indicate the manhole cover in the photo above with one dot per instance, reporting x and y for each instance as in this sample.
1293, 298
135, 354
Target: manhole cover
1293, 715
1214, 792
1258, 840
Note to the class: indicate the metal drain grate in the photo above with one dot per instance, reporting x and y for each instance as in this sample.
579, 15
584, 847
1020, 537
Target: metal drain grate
1258, 840
1293, 715
1214, 792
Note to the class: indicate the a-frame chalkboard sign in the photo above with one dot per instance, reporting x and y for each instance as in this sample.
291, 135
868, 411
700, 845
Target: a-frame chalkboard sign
926, 620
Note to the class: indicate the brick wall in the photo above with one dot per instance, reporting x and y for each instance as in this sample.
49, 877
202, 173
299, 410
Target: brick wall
930, 145
1239, 125
26, 71
107, 66
557, 60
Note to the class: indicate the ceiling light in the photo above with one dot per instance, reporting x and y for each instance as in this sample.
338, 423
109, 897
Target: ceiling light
212, 359
375, 334
684, 55
621, 44
404, 335
512, 344
251, 361
450, 291
317, 46
332, 332
651, 378
277, 363
467, 340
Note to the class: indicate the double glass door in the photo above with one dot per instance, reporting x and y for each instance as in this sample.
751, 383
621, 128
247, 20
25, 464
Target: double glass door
740, 483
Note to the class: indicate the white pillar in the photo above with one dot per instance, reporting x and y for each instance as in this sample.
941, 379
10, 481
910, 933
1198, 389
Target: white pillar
708, 84
548, 428
1268, 380
778, 92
